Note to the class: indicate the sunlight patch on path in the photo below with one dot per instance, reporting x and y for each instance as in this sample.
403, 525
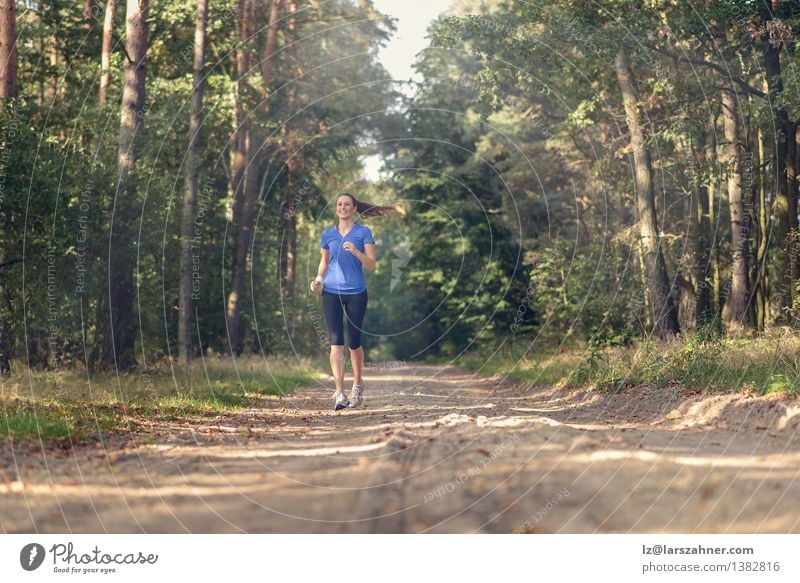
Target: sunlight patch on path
266, 453
728, 461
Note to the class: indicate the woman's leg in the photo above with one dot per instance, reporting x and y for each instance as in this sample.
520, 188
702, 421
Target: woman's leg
357, 358
356, 309
332, 308
337, 366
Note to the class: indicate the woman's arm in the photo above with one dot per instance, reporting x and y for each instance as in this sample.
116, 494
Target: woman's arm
323, 263
322, 269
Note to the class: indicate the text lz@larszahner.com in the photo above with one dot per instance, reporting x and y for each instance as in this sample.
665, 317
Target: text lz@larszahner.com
65, 554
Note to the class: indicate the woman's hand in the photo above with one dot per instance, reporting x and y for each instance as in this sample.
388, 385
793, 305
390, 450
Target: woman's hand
315, 284
368, 258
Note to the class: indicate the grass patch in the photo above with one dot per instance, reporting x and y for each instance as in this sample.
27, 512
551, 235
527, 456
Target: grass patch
544, 370
765, 365
69, 406
50, 421
714, 365
23, 425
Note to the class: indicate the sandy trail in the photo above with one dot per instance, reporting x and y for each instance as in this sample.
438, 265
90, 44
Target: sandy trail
435, 449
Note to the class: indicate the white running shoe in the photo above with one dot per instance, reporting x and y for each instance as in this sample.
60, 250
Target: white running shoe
357, 395
340, 400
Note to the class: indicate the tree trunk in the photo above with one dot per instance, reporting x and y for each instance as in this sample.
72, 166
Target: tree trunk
191, 235
290, 239
118, 336
246, 183
240, 157
761, 293
52, 94
701, 236
6, 331
785, 200
793, 242
105, 55
88, 9
267, 57
8, 50
665, 317
8, 95
40, 44
713, 217
735, 312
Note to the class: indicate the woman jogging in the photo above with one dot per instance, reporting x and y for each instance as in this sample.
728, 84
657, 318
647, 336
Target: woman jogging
345, 249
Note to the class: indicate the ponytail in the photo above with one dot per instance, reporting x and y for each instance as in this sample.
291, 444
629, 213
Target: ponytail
367, 210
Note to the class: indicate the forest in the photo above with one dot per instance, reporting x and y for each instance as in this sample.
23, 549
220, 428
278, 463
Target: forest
575, 175
584, 294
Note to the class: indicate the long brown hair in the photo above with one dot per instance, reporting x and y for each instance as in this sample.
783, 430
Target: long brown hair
368, 210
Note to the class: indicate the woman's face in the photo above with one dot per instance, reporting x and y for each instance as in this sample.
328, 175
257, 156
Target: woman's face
345, 207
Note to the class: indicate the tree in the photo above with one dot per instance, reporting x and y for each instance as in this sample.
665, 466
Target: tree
8, 96
735, 313
665, 317
289, 238
188, 255
240, 162
249, 192
117, 329
8, 50
105, 56
775, 33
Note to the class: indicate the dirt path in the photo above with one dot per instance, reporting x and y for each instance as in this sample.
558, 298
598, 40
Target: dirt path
436, 449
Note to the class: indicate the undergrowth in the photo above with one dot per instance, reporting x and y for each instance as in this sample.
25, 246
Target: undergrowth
62, 407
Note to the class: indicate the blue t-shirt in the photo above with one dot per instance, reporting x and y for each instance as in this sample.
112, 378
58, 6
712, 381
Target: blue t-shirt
345, 275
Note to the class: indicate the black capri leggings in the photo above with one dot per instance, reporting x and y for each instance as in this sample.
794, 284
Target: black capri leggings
356, 307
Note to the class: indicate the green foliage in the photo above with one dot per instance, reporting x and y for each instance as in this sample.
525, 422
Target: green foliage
463, 257
594, 367
700, 363
60, 182
513, 158
711, 364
